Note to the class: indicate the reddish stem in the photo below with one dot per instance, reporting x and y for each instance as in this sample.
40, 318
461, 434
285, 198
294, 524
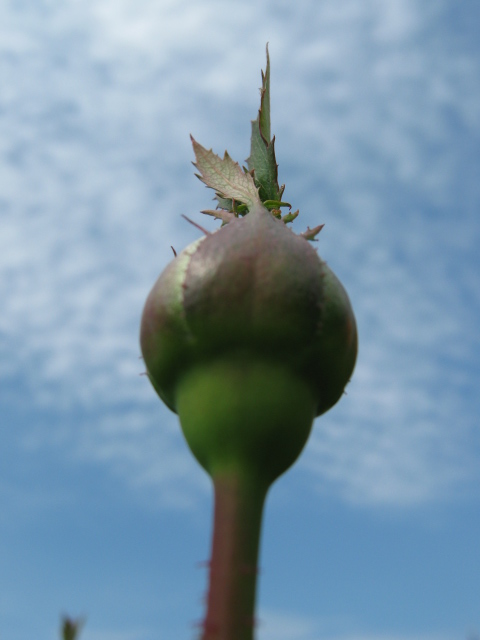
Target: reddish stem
233, 566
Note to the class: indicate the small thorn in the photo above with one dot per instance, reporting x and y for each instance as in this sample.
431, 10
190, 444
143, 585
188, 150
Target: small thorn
205, 231
174, 252
221, 214
207, 626
251, 622
202, 564
198, 624
310, 234
144, 373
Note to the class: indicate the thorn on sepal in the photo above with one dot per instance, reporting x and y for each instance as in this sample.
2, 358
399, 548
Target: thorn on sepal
195, 224
290, 217
310, 234
220, 214
204, 564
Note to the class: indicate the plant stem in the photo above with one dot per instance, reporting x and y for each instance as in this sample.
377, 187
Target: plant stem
233, 565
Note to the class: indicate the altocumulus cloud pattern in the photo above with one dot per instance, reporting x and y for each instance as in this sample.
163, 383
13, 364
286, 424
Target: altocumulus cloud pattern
97, 102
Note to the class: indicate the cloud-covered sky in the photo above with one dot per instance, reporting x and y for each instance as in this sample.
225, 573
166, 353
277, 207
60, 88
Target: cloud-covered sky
375, 108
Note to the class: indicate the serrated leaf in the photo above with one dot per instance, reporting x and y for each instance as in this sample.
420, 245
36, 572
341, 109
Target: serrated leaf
264, 113
225, 176
224, 203
261, 161
231, 205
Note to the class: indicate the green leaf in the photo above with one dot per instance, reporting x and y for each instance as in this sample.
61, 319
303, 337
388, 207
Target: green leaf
261, 162
225, 176
290, 217
71, 628
276, 204
264, 113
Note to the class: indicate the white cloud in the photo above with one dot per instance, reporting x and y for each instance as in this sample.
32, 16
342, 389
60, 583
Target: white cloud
373, 119
288, 626
285, 626
105, 634
149, 452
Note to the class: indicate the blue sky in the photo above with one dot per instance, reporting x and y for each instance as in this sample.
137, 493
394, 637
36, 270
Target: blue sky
373, 535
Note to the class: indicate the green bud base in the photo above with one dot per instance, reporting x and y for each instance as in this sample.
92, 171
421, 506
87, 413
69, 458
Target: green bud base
242, 412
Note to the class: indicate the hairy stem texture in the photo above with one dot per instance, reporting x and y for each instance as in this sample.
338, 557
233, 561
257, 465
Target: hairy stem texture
233, 565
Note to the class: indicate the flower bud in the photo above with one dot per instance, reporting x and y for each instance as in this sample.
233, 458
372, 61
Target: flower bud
252, 292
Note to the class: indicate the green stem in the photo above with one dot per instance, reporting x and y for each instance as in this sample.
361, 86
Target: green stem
233, 566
